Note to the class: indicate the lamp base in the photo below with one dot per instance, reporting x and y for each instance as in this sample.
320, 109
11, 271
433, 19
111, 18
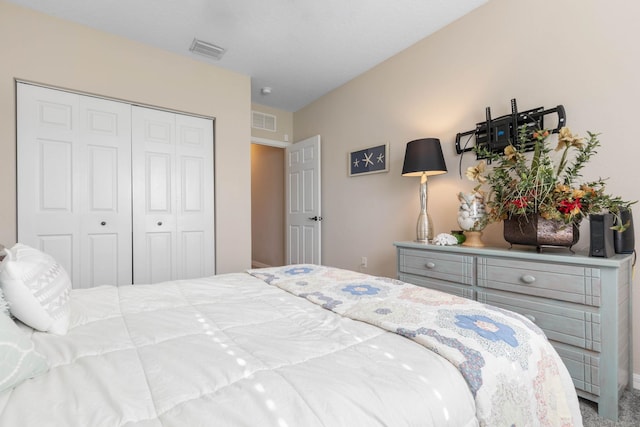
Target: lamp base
424, 228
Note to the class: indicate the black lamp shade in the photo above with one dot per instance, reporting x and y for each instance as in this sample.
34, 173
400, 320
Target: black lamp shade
423, 155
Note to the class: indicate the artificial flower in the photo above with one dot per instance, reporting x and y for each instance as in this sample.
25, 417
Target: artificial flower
475, 173
523, 183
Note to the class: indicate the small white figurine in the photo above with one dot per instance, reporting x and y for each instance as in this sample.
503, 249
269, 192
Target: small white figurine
445, 239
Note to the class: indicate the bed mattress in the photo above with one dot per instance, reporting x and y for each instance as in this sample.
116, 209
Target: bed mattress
278, 347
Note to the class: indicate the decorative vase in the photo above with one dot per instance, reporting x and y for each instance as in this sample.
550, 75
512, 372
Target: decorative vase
533, 230
472, 217
624, 241
473, 239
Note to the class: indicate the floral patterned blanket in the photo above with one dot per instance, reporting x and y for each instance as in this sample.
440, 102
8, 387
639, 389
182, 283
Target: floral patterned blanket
514, 374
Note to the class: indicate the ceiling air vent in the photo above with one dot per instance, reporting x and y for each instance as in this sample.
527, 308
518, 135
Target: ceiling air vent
207, 49
263, 121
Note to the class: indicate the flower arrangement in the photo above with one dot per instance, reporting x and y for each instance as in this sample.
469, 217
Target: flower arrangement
521, 186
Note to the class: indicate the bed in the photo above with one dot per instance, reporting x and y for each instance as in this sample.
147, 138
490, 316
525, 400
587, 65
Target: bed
299, 345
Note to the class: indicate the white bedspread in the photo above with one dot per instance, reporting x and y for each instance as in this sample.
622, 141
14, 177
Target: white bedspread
233, 350
230, 351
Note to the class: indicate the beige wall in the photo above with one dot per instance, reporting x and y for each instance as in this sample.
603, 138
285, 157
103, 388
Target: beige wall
267, 205
284, 124
50, 51
583, 54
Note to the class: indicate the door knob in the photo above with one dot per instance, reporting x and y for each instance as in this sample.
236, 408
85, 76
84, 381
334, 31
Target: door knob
103, 223
159, 223
316, 218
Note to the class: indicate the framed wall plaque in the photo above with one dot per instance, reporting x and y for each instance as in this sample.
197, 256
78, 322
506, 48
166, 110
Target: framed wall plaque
369, 160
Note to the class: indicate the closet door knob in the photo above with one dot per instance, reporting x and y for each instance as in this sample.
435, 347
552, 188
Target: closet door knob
103, 223
159, 223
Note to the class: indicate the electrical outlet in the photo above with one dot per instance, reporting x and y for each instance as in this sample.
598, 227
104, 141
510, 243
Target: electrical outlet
363, 262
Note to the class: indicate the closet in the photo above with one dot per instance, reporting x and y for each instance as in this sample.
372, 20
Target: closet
117, 193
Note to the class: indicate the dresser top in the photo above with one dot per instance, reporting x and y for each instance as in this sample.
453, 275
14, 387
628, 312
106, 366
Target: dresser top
562, 255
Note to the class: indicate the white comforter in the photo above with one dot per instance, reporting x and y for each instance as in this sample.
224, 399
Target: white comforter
231, 350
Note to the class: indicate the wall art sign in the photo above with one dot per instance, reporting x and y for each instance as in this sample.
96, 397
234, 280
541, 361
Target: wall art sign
369, 160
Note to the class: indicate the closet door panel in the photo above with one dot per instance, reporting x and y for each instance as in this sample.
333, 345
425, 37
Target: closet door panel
159, 257
54, 182
63, 247
192, 180
195, 220
102, 266
103, 179
158, 179
47, 194
192, 257
74, 182
105, 208
154, 195
173, 196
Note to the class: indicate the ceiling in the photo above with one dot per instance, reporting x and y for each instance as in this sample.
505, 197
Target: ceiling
301, 49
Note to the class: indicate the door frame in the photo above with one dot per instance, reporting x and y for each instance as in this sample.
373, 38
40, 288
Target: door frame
276, 144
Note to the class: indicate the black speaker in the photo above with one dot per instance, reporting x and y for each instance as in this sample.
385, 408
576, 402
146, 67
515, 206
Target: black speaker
601, 235
623, 242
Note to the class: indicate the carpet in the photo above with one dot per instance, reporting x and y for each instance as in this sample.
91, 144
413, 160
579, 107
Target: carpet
628, 414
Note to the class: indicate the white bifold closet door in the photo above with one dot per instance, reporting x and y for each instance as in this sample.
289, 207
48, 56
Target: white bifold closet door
74, 182
115, 202
172, 196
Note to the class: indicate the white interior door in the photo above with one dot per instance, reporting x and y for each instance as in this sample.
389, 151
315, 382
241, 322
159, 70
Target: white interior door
303, 210
173, 217
73, 167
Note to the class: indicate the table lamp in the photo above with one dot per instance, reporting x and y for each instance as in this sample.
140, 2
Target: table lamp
423, 157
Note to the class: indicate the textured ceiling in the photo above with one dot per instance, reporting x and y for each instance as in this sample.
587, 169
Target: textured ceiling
302, 49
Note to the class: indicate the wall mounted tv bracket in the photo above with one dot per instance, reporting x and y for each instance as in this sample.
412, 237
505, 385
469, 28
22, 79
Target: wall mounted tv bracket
494, 135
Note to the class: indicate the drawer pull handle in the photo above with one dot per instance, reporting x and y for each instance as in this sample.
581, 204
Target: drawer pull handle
528, 279
530, 317
430, 265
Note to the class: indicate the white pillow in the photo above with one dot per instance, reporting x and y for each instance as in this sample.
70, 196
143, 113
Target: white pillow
36, 288
18, 358
4, 306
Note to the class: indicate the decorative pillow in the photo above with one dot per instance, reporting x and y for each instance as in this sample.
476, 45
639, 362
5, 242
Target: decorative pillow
18, 358
4, 306
36, 288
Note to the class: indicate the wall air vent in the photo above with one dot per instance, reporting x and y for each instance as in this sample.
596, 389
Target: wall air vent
263, 121
207, 49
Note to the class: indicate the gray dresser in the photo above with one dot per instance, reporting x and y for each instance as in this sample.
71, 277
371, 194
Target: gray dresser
583, 304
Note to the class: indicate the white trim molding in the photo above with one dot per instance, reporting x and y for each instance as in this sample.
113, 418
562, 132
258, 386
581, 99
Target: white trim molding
270, 142
636, 381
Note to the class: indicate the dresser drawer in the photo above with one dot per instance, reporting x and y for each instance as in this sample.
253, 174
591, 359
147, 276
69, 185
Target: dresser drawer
578, 284
583, 366
560, 322
439, 285
442, 266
